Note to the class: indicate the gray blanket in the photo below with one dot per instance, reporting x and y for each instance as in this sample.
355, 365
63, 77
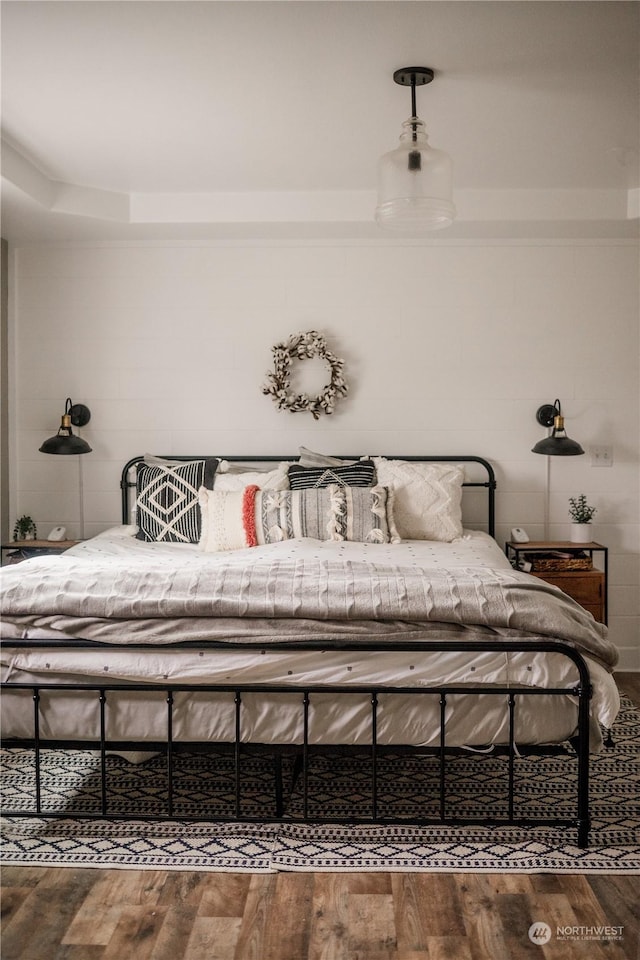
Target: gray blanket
289, 599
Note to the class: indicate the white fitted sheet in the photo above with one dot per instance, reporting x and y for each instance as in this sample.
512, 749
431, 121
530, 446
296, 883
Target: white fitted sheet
474, 548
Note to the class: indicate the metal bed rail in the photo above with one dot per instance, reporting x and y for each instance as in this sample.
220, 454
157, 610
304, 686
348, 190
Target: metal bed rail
581, 690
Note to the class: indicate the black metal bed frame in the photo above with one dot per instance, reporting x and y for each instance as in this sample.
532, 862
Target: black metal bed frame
580, 690
127, 484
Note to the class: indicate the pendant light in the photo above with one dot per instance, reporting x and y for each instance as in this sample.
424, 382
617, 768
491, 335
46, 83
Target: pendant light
415, 179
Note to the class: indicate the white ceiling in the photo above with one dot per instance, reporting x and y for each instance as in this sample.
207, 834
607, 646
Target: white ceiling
236, 119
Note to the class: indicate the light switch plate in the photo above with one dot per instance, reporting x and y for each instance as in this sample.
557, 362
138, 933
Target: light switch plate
601, 456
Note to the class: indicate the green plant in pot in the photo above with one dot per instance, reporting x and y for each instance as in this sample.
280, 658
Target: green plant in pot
25, 528
581, 516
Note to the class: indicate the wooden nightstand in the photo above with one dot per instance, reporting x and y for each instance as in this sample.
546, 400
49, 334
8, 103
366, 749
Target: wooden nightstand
18, 550
587, 586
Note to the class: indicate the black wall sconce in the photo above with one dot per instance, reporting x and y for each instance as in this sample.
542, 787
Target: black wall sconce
557, 444
65, 441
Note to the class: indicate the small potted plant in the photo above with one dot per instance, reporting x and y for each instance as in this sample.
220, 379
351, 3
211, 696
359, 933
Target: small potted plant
24, 529
581, 516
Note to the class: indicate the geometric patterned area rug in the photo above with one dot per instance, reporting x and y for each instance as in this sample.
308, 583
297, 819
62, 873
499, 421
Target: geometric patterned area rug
340, 787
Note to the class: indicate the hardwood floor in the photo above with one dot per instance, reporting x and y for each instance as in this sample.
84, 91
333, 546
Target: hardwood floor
92, 914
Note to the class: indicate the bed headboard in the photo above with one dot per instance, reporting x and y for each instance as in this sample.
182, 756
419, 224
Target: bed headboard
479, 476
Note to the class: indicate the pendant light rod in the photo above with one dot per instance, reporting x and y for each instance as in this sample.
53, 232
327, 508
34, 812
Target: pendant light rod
412, 77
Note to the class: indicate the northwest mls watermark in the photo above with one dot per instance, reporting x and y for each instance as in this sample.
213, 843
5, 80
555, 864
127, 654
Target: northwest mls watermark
541, 933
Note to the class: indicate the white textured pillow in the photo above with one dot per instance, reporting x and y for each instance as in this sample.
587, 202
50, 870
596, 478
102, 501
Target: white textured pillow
222, 516
427, 498
230, 477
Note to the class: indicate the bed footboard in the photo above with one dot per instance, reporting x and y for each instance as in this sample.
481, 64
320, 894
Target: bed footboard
438, 809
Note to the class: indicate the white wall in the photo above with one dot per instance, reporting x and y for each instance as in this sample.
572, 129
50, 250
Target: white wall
450, 347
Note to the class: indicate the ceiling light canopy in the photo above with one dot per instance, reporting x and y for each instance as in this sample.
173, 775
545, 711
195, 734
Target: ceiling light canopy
415, 179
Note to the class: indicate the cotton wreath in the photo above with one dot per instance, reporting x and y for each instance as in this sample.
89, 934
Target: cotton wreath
304, 346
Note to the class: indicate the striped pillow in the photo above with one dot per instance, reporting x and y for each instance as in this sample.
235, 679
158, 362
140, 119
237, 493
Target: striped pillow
360, 474
233, 520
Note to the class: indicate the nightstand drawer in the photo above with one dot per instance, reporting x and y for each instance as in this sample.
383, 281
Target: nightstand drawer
586, 587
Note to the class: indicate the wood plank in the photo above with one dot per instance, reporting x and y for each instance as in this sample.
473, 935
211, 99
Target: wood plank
92, 925
11, 899
23, 876
516, 918
134, 887
287, 932
60, 952
329, 917
508, 883
547, 882
556, 910
617, 905
223, 894
25, 935
619, 901
449, 948
136, 932
212, 938
76, 952
411, 930
373, 883
99, 915
256, 916
426, 906
174, 931
483, 923
371, 925
183, 887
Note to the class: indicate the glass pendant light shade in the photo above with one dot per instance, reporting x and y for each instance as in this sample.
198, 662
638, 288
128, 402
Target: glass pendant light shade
415, 184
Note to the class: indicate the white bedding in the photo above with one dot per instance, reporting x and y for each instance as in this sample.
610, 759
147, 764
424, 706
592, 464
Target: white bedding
403, 719
475, 548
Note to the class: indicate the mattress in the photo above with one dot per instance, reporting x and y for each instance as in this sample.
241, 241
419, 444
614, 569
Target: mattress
177, 649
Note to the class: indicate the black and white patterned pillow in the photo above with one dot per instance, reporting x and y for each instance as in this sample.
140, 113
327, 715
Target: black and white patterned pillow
360, 474
167, 505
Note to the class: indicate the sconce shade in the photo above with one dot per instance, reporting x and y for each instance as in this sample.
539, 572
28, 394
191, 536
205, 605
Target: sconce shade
65, 441
558, 444
414, 180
